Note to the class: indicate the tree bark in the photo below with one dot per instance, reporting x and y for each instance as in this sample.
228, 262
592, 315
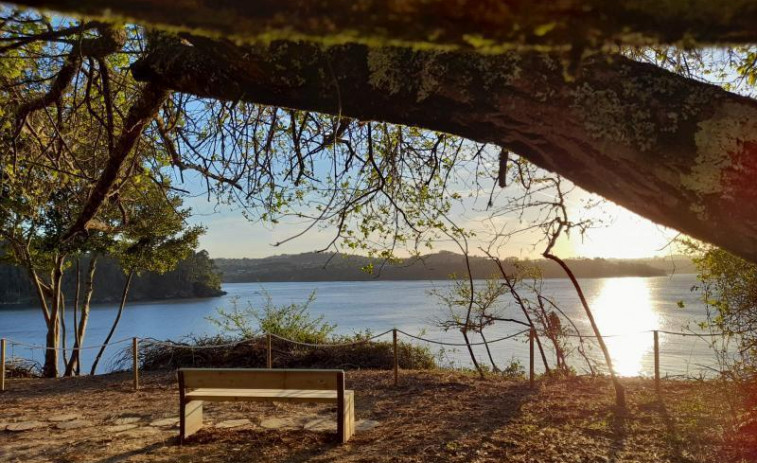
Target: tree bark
113, 327
74, 364
441, 24
679, 152
52, 338
141, 113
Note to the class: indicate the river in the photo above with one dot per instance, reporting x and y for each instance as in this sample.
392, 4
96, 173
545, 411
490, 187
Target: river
626, 309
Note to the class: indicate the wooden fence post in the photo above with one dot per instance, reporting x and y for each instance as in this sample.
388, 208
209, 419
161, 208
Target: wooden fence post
2, 365
269, 358
396, 358
657, 361
531, 336
135, 358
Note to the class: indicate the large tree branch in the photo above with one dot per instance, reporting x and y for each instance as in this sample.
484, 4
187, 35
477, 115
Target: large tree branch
679, 152
111, 39
141, 113
482, 24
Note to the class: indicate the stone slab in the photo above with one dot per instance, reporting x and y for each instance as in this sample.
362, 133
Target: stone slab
121, 428
166, 422
365, 425
75, 424
321, 424
139, 433
232, 423
65, 417
24, 426
127, 420
279, 423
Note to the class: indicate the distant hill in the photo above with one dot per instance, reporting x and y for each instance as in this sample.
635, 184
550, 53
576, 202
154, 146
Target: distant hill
439, 266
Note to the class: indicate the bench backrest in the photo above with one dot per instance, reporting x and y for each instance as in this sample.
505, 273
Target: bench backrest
260, 378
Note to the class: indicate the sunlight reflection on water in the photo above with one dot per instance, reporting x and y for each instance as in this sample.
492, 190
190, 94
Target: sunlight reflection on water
624, 308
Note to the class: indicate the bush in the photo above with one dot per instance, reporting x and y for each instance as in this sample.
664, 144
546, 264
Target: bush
243, 343
292, 321
252, 353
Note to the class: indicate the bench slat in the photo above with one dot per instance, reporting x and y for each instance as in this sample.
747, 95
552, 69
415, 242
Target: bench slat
260, 379
263, 395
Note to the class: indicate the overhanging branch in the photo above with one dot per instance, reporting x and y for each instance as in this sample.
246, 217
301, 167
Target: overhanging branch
677, 151
489, 25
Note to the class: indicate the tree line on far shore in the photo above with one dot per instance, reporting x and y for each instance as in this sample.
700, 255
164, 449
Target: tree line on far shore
438, 266
195, 276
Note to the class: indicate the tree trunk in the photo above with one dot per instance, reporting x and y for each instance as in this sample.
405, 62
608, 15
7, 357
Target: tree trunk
74, 365
677, 151
77, 295
63, 340
113, 327
495, 369
620, 392
441, 24
52, 339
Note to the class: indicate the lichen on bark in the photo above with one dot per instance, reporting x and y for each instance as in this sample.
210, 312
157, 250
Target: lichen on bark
720, 139
608, 117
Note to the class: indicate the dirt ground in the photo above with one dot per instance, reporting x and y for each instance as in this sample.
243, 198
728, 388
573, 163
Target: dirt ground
430, 417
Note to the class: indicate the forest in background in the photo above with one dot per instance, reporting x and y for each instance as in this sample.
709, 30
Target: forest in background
201, 276
439, 266
195, 276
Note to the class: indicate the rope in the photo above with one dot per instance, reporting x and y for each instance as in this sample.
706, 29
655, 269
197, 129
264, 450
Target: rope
177, 345
173, 344
345, 344
673, 333
462, 344
66, 349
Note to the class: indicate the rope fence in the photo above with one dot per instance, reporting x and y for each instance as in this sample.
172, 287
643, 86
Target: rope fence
135, 345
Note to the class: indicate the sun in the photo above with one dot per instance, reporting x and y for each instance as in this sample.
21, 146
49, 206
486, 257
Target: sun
619, 234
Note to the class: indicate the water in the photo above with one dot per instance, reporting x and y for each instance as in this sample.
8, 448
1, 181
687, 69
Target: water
623, 306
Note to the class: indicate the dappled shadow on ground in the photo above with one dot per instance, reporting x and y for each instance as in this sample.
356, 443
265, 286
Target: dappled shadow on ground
135, 454
429, 417
619, 434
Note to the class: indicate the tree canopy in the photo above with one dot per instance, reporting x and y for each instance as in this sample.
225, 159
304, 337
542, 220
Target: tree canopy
552, 83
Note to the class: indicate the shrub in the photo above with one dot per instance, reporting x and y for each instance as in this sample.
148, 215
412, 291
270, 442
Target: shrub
242, 343
292, 321
252, 353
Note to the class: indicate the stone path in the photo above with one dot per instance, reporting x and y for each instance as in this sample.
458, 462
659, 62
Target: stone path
24, 426
233, 423
281, 423
321, 424
66, 417
365, 425
165, 422
127, 420
75, 424
132, 426
121, 427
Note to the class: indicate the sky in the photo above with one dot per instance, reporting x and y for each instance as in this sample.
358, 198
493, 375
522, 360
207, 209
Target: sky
621, 234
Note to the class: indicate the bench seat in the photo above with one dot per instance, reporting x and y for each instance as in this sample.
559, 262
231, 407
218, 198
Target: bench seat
264, 395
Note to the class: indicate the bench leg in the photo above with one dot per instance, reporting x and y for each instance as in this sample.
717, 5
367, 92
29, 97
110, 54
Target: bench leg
347, 428
190, 419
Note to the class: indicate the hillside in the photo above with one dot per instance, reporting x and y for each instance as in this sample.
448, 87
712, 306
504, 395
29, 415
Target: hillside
439, 266
195, 276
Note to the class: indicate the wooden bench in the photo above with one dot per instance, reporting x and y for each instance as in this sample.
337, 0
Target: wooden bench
197, 385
